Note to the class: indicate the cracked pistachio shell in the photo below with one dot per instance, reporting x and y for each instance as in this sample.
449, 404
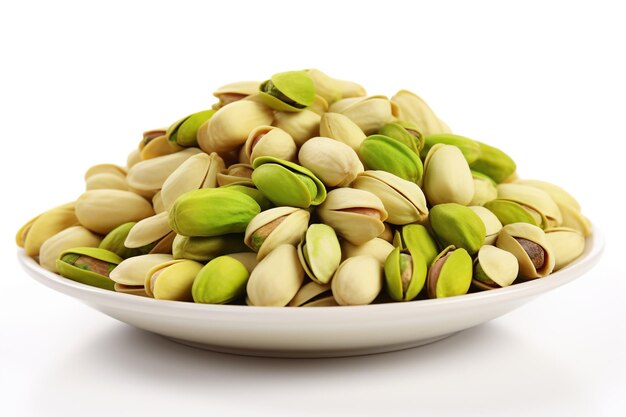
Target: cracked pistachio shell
326, 86
270, 141
468, 147
300, 126
235, 174
39, 229
413, 109
404, 200
341, 128
534, 252
567, 245
313, 294
447, 177
494, 163
492, 224
356, 215
405, 274
148, 230
150, 135
234, 92
484, 189
287, 184
368, 113
275, 227
457, 225
334, 163
406, 133
114, 242
205, 248
149, 175
276, 279
417, 239
199, 171
220, 281
183, 132
72, 237
510, 212
106, 180
558, 194
230, 126
494, 268
320, 253
450, 273
172, 280
357, 281
533, 198
288, 91
250, 191
89, 266
212, 212
132, 272
382, 153
103, 210
377, 247
158, 146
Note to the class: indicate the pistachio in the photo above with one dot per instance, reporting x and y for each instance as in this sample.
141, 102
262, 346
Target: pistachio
275, 227
368, 113
320, 253
533, 198
313, 294
39, 229
450, 273
333, 162
90, 266
106, 180
234, 92
341, 128
172, 280
250, 191
378, 248
248, 259
457, 225
509, 212
406, 133
492, 224
212, 212
236, 174
413, 109
558, 194
220, 281
184, 131
468, 147
574, 219
159, 146
405, 274
131, 273
484, 189
149, 175
567, 245
203, 248
531, 248
300, 126
110, 169
288, 91
388, 233
494, 268
447, 177
150, 135
417, 239
133, 158
380, 152
73, 236
114, 242
148, 230
269, 141
357, 281
494, 163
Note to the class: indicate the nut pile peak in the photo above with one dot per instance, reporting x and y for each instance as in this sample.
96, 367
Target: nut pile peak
302, 190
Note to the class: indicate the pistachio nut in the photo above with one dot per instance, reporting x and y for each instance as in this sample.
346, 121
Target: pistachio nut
133, 158
558, 194
220, 281
450, 274
164, 245
130, 274
205, 248
114, 242
157, 202
351, 89
287, 184
230, 126
341, 128
468, 147
320, 253
234, 92
567, 245
72, 237
378, 248
89, 266
494, 268
356, 215
236, 174
404, 201
106, 180
325, 86
405, 274
300, 126
149, 175
148, 230
275, 227
413, 109
574, 219
39, 229
276, 279
270, 141
334, 163
417, 239
103, 210
184, 131
388, 233
150, 135
531, 248
172, 280
492, 224
357, 281
288, 91
319, 106
533, 198
380, 152
457, 225
484, 189
447, 177
250, 191
313, 294
111, 169
212, 212
159, 146
199, 171
494, 163
511, 212
406, 133
368, 113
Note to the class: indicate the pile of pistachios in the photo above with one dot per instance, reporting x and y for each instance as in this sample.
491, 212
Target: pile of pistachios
302, 190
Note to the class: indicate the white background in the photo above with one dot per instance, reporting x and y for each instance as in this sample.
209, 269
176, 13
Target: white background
545, 81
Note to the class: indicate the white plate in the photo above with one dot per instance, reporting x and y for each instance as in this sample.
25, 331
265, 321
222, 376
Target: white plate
318, 331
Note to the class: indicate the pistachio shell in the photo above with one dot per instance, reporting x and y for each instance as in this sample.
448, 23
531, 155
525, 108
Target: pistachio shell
230, 125
248, 259
468, 147
368, 113
333, 162
341, 128
172, 280
457, 225
157, 147
558, 194
447, 177
417, 239
412, 108
380, 152
405, 274
509, 212
250, 191
320, 253
133, 271
212, 212
388, 233
157, 202
495, 267
534, 198
484, 189
406, 133
114, 242
235, 91
300, 126
544, 261
356, 215
404, 201
567, 245
450, 274
494, 163
236, 174
133, 158
203, 248
270, 141
150, 174
184, 131
148, 230
275, 227
220, 281
163, 245
288, 91
106, 180
492, 224
111, 169
326, 86
378, 248
357, 281
103, 210
150, 135
574, 219
89, 266
36, 231
74, 236
313, 294
276, 279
